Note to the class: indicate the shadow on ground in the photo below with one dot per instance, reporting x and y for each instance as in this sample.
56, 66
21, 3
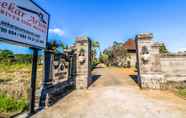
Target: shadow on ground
93, 79
135, 79
59, 92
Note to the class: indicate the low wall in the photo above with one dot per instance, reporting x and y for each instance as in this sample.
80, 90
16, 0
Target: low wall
174, 69
173, 64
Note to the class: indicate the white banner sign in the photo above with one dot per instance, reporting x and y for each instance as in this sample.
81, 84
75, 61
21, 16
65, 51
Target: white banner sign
23, 22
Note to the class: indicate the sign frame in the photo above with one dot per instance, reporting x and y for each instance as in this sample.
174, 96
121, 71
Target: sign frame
23, 44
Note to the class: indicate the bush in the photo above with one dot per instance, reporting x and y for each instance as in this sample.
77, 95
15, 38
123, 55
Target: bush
94, 63
8, 104
182, 92
104, 58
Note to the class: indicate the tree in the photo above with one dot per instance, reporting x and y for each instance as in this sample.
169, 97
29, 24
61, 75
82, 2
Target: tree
119, 54
104, 58
163, 48
23, 58
109, 53
63, 46
95, 47
116, 55
6, 55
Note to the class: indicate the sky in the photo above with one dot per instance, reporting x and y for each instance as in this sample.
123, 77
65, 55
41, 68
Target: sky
115, 20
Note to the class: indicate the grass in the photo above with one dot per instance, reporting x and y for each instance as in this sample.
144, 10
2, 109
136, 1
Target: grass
8, 104
181, 92
15, 84
14, 67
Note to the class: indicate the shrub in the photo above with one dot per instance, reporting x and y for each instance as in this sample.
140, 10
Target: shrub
94, 63
8, 104
182, 92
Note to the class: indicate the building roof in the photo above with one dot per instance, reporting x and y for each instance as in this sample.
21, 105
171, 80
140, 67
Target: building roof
130, 45
145, 36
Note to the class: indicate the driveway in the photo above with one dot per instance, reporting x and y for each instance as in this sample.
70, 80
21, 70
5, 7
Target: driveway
114, 94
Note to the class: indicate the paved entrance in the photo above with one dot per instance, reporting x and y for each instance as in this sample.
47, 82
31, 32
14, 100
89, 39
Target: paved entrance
114, 94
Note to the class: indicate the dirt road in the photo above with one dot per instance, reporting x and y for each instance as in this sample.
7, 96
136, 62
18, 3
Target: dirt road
115, 95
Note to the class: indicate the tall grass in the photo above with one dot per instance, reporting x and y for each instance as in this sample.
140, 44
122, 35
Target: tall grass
14, 86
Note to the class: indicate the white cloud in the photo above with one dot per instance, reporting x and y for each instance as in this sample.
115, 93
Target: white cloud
57, 31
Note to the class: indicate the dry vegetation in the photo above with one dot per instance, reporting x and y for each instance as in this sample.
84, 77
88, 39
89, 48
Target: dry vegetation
14, 85
15, 79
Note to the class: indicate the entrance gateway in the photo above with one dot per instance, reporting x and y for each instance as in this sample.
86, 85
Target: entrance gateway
23, 22
157, 70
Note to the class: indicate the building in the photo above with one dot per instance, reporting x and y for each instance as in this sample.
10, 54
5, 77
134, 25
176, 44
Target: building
130, 45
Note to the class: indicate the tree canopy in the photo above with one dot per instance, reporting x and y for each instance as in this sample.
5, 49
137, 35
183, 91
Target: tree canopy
115, 55
163, 48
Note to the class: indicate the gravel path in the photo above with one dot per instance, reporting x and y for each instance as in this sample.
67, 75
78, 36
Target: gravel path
115, 95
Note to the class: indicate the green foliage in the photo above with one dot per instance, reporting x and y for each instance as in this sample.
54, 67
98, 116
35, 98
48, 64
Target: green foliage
63, 46
23, 58
95, 47
6, 56
182, 92
95, 44
115, 55
6, 53
163, 48
104, 58
8, 104
95, 62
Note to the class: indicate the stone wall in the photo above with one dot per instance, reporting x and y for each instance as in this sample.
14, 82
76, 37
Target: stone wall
132, 59
174, 69
158, 71
173, 64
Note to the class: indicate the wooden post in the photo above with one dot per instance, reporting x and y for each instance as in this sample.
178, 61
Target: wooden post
33, 81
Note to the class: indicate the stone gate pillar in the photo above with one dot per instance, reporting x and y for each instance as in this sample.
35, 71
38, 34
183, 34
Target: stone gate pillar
83, 52
148, 61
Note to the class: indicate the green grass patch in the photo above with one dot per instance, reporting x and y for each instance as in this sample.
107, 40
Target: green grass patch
181, 92
8, 104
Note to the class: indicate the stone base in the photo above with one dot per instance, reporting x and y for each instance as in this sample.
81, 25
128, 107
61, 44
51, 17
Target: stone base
153, 81
81, 82
176, 80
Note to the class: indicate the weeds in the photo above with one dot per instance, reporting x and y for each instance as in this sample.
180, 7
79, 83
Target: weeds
14, 86
9, 104
181, 92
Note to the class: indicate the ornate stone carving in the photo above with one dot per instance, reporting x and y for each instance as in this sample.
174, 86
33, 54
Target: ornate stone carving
145, 55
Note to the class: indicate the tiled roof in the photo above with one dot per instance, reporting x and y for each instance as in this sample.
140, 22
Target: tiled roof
130, 45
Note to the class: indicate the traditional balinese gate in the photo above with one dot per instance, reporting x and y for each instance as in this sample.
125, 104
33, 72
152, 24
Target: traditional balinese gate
156, 70
148, 62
